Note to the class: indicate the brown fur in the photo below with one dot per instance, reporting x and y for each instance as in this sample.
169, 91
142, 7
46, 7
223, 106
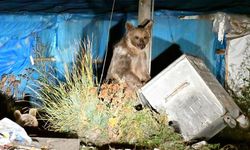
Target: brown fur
9, 109
129, 61
26, 120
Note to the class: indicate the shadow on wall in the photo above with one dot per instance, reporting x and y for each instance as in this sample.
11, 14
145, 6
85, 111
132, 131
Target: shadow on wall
115, 35
165, 59
169, 52
192, 49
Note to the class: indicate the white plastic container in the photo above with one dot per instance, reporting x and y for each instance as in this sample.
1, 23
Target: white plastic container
191, 96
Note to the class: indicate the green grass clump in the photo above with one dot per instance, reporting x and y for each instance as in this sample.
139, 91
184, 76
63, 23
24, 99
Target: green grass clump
242, 98
239, 85
73, 106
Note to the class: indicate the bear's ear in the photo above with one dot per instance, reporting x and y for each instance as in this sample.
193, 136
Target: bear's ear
33, 111
149, 25
129, 26
17, 114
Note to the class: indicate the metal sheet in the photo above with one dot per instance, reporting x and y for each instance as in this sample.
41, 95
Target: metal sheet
191, 96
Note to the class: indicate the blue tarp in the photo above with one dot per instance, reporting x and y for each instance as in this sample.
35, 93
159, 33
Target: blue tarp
61, 33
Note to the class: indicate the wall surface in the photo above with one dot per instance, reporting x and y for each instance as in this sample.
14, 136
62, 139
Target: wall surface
60, 35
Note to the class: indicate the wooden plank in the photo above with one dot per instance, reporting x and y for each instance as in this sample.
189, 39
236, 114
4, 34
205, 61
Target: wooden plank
57, 143
144, 12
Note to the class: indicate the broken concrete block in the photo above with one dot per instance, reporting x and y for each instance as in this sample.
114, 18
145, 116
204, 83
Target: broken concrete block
191, 96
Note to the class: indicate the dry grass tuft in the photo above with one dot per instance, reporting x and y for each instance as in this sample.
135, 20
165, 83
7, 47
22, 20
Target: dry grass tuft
74, 106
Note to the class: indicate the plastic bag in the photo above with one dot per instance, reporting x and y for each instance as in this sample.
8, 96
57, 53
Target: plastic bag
12, 132
221, 25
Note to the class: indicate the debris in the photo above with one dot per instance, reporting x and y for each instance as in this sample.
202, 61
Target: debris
24, 147
193, 99
243, 121
229, 147
199, 145
230, 121
221, 22
12, 132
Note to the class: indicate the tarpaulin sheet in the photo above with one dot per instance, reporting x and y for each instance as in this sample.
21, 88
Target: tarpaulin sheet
17, 41
61, 33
